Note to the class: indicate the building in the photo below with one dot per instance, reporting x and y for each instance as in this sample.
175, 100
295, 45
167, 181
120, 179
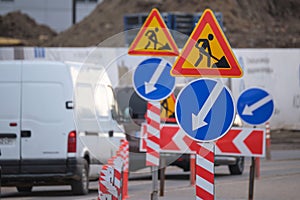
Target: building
57, 14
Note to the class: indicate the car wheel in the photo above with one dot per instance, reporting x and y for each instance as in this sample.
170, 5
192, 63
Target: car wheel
238, 168
24, 188
81, 187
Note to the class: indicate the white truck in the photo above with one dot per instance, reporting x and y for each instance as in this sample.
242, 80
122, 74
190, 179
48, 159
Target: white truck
57, 127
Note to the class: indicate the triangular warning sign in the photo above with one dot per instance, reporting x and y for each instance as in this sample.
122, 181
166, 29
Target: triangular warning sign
207, 52
167, 111
154, 38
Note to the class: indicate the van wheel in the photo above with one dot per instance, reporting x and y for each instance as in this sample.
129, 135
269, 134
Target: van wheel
81, 187
24, 188
238, 168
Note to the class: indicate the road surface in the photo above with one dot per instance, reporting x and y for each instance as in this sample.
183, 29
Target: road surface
280, 179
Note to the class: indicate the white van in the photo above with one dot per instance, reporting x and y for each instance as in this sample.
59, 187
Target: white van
57, 124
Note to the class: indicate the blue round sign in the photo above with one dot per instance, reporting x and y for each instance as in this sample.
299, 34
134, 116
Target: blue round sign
152, 80
205, 109
255, 106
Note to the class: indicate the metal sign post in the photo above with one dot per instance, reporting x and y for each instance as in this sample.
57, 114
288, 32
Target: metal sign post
162, 175
251, 179
154, 194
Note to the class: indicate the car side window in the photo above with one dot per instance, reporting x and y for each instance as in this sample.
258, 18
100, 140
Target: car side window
101, 102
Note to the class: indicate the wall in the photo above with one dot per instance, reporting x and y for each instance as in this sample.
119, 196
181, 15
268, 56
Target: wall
276, 70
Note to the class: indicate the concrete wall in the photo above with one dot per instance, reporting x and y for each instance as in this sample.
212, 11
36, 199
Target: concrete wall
276, 70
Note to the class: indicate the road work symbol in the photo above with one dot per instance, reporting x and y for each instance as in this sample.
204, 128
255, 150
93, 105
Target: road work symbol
205, 115
207, 52
151, 34
154, 38
152, 80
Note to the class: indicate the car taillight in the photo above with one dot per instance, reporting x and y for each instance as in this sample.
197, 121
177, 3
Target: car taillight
72, 142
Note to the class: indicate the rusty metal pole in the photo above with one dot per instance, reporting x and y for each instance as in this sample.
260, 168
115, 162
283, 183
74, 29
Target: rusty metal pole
251, 179
162, 175
192, 169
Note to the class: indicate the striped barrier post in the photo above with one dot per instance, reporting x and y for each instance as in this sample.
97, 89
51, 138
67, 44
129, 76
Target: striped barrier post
205, 188
153, 146
257, 168
106, 189
118, 166
192, 168
125, 156
268, 141
153, 128
111, 179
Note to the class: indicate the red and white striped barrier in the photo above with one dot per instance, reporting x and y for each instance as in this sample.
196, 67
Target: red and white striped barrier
118, 167
205, 188
125, 156
107, 190
112, 179
268, 141
192, 168
153, 134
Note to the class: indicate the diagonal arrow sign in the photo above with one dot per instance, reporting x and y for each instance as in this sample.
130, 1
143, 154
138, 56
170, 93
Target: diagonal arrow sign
150, 85
198, 120
248, 110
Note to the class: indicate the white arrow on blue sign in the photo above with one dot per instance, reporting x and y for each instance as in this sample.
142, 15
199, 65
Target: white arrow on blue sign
255, 106
205, 109
152, 80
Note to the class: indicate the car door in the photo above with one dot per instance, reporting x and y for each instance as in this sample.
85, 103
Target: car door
44, 129
10, 90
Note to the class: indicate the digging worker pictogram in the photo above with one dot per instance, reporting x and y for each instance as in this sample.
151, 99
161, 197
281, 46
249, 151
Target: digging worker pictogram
152, 39
151, 34
204, 50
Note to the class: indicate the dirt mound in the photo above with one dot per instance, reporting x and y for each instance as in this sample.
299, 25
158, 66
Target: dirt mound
21, 26
248, 24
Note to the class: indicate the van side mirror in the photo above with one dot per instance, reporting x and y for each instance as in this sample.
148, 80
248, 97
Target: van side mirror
69, 104
110, 133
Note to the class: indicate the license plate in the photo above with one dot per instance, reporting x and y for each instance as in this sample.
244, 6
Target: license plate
7, 141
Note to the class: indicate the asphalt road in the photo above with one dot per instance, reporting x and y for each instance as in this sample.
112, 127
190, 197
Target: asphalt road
280, 179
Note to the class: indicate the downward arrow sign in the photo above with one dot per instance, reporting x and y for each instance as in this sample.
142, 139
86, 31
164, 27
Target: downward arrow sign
198, 120
248, 110
150, 85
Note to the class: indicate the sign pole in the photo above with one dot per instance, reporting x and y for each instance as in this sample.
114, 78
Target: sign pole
251, 179
154, 194
162, 175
